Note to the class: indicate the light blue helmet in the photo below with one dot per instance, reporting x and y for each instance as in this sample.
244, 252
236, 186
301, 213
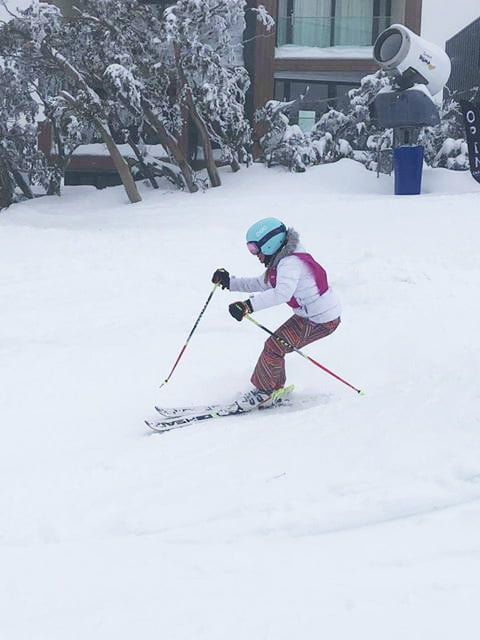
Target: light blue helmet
267, 235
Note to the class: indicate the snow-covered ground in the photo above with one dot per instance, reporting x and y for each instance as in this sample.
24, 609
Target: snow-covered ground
342, 517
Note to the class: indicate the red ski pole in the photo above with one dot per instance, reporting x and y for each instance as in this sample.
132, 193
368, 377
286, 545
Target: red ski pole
189, 336
304, 355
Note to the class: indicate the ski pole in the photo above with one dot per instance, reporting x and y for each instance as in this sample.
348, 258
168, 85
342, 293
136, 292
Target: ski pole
190, 335
304, 355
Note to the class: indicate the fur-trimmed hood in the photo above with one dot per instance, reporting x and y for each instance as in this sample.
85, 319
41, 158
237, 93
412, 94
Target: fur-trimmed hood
293, 240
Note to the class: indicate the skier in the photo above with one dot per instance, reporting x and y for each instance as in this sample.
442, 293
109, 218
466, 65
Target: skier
292, 276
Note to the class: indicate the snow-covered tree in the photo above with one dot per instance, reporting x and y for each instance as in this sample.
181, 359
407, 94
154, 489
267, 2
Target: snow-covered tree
22, 165
328, 137
206, 38
372, 146
127, 62
171, 68
283, 144
128, 70
445, 144
36, 36
68, 130
287, 145
453, 154
337, 134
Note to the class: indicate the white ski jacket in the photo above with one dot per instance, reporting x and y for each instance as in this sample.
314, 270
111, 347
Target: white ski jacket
294, 279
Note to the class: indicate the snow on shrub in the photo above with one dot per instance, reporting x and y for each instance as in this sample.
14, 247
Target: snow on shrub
287, 145
453, 155
353, 133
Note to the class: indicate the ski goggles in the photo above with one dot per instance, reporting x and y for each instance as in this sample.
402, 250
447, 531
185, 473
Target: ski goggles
255, 246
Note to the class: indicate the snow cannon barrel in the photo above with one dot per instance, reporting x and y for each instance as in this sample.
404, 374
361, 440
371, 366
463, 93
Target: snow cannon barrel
411, 60
418, 70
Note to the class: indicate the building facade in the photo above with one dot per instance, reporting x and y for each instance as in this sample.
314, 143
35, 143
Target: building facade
323, 44
464, 52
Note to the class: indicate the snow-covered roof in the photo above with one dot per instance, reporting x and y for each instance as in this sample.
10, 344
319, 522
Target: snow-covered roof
100, 149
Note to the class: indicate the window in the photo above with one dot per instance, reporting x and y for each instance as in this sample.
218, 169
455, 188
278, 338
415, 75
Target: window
320, 97
353, 24
327, 23
312, 23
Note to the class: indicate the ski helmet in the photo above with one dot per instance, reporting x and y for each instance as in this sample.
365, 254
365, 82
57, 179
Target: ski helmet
266, 235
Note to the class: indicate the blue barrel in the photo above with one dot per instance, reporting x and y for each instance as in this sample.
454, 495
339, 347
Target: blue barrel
408, 164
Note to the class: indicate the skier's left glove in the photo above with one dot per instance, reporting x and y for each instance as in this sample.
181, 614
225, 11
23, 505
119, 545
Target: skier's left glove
222, 278
240, 309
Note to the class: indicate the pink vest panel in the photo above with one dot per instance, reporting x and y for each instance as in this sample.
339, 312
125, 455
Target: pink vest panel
316, 269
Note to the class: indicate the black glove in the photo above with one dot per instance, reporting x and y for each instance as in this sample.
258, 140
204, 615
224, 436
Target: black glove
240, 309
221, 277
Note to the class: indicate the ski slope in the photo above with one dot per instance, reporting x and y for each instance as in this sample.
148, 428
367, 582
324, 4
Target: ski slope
341, 517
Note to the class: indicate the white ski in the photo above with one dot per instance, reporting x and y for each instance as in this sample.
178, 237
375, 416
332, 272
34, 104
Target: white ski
179, 417
174, 412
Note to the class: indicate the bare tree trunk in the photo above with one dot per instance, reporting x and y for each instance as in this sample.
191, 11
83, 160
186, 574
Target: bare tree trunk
53, 188
19, 179
234, 164
145, 169
61, 163
199, 123
172, 146
120, 164
118, 160
206, 144
6, 187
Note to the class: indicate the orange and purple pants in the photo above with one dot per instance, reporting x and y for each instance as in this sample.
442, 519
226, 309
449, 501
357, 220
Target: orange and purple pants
269, 373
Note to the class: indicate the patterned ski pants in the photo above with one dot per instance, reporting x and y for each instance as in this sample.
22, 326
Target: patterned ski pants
269, 374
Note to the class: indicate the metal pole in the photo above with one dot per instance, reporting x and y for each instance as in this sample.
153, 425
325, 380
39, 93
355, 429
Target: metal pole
189, 336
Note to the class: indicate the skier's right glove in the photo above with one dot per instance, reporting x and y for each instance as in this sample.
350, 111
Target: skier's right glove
240, 309
221, 277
